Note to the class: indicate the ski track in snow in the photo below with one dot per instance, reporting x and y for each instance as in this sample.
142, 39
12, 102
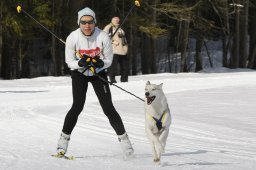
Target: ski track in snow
35, 110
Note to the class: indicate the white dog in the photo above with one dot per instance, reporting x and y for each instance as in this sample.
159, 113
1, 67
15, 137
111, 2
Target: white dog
158, 118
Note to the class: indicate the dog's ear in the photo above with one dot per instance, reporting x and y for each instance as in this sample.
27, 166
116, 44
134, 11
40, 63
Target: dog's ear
148, 83
161, 85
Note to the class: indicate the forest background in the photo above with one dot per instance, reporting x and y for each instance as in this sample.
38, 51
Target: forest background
163, 35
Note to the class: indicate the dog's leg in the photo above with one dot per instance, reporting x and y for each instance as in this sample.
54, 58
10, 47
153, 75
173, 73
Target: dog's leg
154, 139
153, 147
154, 154
157, 148
163, 138
158, 154
151, 136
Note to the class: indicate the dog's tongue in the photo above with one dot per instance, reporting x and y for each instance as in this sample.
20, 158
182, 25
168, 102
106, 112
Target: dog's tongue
150, 99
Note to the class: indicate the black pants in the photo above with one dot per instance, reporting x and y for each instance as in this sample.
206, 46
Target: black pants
123, 61
101, 88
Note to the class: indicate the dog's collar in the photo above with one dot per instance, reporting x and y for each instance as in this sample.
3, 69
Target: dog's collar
159, 121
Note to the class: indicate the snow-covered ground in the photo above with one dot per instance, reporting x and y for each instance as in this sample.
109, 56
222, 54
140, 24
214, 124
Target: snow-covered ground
213, 128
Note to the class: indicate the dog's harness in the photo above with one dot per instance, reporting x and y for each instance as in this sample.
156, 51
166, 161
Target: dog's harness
159, 123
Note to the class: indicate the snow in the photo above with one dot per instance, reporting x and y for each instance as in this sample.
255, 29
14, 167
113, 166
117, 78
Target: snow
213, 128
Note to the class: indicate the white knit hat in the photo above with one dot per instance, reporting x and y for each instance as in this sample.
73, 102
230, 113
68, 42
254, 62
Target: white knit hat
86, 11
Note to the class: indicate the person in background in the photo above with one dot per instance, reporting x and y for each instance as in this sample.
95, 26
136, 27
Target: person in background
88, 53
120, 49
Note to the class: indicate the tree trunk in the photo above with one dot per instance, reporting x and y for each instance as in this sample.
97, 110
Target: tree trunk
1, 48
175, 58
198, 58
153, 41
61, 46
145, 54
252, 28
244, 44
226, 38
252, 63
1, 37
114, 7
153, 55
12, 65
184, 44
236, 40
19, 59
132, 49
53, 43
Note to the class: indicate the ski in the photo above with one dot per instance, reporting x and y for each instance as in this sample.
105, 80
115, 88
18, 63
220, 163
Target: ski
61, 155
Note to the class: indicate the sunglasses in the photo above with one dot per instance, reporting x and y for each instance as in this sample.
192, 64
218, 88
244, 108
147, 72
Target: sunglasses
87, 22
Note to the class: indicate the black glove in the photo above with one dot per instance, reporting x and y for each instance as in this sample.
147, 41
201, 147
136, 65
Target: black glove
85, 61
97, 62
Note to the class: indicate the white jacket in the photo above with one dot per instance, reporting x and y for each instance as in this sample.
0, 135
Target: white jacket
78, 44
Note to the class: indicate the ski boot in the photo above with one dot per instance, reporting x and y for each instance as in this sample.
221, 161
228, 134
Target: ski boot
126, 146
63, 144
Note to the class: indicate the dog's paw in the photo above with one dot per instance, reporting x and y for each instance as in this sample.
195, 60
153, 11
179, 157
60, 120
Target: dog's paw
157, 161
